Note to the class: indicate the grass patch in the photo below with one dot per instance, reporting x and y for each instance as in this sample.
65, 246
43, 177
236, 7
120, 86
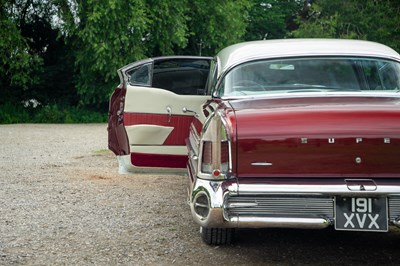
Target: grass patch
102, 151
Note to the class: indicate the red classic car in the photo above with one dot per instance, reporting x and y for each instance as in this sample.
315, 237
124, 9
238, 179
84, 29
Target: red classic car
301, 133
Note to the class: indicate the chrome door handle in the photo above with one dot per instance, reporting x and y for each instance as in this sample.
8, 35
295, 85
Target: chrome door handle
169, 111
185, 110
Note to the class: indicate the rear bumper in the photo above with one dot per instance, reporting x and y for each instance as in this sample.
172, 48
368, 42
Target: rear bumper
283, 203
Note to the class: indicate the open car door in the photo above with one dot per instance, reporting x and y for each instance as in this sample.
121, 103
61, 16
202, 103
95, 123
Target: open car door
152, 109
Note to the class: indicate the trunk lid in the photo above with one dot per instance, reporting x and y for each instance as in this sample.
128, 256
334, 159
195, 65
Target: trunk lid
318, 137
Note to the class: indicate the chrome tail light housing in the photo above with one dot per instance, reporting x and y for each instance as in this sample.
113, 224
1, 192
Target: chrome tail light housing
215, 150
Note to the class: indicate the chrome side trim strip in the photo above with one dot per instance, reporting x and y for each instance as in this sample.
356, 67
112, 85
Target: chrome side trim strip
315, 94
261, 164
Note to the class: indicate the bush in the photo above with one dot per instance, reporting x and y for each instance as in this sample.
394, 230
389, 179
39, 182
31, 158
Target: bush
11, 114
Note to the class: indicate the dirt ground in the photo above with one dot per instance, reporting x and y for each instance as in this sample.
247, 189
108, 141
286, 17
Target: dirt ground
62, 202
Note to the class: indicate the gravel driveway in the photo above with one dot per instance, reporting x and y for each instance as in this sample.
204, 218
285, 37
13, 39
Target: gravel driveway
63, 203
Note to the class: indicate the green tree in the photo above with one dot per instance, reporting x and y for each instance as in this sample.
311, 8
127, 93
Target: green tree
36, 61
105, 35
108, 34
18, 62
353, 19
214, 25
271, 19
168, 28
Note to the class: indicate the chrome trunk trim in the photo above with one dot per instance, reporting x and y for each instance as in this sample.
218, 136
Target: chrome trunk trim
338, 188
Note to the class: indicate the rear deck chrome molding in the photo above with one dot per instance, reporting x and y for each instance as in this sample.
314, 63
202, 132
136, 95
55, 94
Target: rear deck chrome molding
316, 189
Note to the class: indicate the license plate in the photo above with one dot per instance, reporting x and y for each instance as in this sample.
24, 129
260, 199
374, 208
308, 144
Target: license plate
361, 214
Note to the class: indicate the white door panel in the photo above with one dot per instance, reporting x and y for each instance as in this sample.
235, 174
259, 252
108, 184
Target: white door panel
147, 134
179, 150
156, 101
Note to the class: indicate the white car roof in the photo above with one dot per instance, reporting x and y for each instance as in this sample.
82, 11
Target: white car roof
242, 52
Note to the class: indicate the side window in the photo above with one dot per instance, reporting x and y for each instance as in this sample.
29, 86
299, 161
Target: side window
212, 77
140, 75
370, 70
389, 77
381, 75
181, 76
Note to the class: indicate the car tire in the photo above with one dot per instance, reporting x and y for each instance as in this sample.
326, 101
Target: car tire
217, 236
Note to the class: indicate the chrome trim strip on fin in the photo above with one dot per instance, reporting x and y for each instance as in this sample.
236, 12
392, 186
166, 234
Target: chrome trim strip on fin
261, 164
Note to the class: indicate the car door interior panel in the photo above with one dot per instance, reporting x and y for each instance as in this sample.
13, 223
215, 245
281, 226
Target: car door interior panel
147, 134
161, 98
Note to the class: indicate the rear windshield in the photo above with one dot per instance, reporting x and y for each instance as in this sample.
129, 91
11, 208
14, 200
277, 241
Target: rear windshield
323, 74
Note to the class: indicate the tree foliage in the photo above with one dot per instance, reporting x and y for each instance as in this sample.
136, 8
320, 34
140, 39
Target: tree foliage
37, 63
18, 62
66, 52
216, 24
353, 19
105, 35
168, 27
271, 19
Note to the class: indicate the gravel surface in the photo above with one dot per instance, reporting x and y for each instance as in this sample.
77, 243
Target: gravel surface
63, 203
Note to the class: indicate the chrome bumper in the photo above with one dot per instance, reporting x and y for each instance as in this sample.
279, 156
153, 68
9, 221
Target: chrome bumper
210, 204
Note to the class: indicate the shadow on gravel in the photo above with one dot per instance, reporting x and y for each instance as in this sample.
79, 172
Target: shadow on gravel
315, 247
